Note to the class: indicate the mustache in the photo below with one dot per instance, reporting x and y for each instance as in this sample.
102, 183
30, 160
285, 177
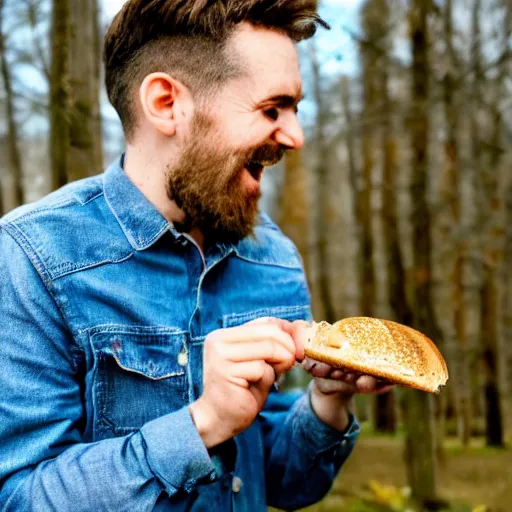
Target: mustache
267, 154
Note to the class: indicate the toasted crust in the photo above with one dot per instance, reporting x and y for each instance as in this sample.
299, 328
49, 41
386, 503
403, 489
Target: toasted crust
381, 348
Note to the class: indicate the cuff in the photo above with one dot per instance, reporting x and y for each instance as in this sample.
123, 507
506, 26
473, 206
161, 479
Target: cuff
319, 436
176, 453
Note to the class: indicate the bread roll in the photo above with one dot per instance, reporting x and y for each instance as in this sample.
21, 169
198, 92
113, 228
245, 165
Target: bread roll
381, 348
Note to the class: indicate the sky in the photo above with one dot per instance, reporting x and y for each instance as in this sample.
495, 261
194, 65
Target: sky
338, 53
112, 6
335, 45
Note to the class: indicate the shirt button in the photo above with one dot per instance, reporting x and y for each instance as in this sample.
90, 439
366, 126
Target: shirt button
183, 359
236, 484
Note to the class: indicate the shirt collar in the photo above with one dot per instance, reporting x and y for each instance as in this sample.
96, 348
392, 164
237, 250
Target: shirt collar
140, 221
143, 224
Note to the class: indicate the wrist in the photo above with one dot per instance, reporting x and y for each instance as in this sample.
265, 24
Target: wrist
204, 421
333, 408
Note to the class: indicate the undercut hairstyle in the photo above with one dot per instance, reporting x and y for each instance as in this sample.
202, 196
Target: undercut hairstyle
188, 40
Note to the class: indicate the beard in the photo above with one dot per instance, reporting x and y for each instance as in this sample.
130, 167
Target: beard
206, 184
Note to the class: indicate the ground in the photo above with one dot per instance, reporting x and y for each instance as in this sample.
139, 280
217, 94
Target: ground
476, 476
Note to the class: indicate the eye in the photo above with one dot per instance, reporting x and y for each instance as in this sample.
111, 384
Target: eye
272, 113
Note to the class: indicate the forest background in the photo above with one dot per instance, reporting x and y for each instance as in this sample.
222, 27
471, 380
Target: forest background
400, 204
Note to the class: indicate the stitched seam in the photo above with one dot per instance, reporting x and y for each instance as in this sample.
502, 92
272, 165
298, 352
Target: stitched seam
288, 310
267, 263
130, 329
129, 237
83, 203
144, 242
42, 209
34, 258
65, 269
19, 236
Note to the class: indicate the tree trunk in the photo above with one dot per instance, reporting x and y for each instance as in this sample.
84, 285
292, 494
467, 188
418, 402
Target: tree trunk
295, 208
98, 127
506, 276
363, 199
350, 135
452, 194
420, 450
493, 257
490, 318
59, 94
14, 161
294, 222
323, 200
507, 301
377, 131
85, 126
2, 210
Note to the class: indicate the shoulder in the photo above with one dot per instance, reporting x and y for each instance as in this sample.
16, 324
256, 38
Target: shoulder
269, 246
69, 229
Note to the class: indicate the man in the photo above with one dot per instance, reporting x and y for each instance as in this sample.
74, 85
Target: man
147, 312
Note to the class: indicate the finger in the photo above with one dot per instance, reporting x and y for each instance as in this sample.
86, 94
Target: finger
261, 388
366, 384
247, 372
300, 334
338, 374
316, 368
253, 333
284, 325
330, 386
383, 387
267, 350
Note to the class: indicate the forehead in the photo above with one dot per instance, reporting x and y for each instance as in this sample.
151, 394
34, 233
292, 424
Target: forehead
269, 59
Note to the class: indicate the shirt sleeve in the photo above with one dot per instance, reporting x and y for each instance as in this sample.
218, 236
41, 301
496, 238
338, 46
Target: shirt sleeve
44, 464
303, 454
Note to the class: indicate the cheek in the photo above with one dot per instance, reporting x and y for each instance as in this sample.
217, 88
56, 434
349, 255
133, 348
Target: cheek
247, 131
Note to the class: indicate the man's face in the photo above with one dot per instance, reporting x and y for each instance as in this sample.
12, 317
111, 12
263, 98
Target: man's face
248, 125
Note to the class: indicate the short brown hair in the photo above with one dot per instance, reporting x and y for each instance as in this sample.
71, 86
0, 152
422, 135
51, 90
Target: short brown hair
187, 39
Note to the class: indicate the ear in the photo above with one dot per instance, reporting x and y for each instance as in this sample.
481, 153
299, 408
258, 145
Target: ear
159, 93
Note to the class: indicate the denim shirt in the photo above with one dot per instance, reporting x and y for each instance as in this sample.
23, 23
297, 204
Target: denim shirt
104, 308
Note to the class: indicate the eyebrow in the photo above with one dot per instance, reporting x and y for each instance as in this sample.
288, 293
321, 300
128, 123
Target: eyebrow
286, 100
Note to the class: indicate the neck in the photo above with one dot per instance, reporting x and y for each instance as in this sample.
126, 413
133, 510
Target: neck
148, 174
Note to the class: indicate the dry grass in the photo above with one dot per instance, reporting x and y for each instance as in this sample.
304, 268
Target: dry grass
474, 476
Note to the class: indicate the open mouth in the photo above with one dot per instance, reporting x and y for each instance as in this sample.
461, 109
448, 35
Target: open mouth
255, 169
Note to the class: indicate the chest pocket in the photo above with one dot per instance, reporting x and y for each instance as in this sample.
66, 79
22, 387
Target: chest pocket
284, 312
140, 374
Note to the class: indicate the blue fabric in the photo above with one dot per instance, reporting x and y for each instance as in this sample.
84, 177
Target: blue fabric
104, 309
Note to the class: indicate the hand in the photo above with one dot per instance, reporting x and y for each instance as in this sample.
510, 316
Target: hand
333, 389
240, 366
329, 380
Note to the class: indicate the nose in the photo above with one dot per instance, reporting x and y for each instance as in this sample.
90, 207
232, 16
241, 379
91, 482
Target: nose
289, 132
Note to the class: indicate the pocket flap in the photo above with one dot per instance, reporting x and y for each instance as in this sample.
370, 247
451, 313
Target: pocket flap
284, 312
156, 353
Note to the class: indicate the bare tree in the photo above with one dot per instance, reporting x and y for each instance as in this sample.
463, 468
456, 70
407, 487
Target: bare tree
2, 210
493, 237
363, 198
60, 93
322, 200
85, 122
452, 195
420, 450
378, 131
294, 214
14, 159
